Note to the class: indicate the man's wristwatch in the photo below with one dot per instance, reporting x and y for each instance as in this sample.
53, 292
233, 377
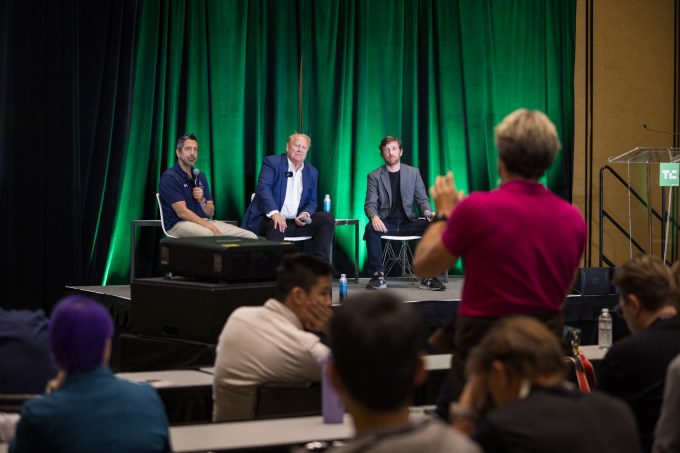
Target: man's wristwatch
440, 217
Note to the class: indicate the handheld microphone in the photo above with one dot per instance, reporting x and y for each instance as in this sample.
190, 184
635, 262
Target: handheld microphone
307, 220
196, 173
427, 213
659, 132
289, 174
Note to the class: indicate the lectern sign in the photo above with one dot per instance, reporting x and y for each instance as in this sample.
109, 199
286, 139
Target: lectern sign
669, 174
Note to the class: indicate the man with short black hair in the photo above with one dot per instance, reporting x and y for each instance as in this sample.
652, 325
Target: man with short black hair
634, 368
393, 192
274, 342
376, 343
186, 200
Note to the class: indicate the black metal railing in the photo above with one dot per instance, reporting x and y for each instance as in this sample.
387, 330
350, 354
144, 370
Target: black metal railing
662, 218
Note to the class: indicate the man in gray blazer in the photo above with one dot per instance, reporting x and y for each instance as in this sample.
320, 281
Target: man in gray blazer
393, 193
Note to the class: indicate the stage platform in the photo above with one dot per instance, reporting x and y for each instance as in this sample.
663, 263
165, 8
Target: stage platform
117, 298
405, 288
438, 307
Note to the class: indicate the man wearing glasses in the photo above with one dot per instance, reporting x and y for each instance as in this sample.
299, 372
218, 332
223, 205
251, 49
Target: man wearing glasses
634, 368
186, 200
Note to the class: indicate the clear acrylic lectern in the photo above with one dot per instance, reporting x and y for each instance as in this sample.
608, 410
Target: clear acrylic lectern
652, 194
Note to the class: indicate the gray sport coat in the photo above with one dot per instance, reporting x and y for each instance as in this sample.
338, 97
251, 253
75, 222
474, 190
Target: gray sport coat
379, 192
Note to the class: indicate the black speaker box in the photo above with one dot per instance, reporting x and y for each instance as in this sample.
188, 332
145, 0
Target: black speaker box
594, 281
223, 258
187, 309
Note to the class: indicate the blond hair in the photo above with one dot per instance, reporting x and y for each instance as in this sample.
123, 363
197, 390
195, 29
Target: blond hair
292, 136
527, 143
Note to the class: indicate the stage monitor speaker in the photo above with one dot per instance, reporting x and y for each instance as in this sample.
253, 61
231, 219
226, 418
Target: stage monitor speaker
190, 310
223, 258
594, 281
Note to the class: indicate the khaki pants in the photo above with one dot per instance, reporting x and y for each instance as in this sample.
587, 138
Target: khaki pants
185, 229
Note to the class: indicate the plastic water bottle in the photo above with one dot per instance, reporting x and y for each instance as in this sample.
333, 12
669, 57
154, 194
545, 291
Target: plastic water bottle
343, 287
332, 409
604, 329
327, 203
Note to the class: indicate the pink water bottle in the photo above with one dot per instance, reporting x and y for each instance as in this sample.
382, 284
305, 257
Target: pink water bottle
332, 409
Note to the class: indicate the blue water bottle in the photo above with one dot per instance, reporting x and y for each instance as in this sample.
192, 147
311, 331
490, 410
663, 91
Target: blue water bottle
327, 203
343, 287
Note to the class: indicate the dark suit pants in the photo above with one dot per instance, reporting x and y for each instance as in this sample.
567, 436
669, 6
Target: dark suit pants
322, 231
395, 227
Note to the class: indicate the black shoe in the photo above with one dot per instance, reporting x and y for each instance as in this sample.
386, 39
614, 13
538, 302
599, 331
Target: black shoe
432, 284
377, 281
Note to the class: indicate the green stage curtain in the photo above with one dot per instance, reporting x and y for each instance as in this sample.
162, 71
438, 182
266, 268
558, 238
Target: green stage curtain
94, 94
243, 75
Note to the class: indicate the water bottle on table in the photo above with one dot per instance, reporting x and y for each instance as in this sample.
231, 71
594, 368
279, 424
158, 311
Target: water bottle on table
604, 329
332, 408
343, 287
327, 203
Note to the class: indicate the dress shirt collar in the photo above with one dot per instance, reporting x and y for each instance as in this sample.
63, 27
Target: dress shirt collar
278, 307
291, 166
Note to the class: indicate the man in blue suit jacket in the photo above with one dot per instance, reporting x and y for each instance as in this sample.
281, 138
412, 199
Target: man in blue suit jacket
285, 200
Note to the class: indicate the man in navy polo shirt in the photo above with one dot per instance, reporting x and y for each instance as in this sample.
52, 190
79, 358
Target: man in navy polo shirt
186, 200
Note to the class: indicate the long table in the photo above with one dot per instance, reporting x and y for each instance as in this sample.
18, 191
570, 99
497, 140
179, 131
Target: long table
257, 434
186, 394
173, 379
266, 433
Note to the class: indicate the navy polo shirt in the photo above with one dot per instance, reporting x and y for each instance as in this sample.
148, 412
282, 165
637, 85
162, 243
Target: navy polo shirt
176, 186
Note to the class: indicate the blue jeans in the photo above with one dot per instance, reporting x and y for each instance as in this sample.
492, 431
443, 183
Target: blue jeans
395, 227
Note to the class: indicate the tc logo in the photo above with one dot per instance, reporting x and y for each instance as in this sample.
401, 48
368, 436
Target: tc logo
669, 174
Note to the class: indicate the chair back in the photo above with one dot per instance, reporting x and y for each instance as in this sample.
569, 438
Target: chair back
160, 209
278, 400
12, 402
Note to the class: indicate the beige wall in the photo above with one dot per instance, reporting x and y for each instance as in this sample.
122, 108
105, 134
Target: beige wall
633, 82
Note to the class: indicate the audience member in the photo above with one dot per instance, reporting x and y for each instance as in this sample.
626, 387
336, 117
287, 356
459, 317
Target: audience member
8, 423
376, 366
634, 368
24, 352
392, 193
675, 273
186, 199
520, 244
285, 200
519, 365
274, 342
666, 433
90, 410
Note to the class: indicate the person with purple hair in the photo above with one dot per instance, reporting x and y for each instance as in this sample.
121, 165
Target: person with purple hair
90, 409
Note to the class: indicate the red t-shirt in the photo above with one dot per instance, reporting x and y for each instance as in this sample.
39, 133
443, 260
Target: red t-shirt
520, 244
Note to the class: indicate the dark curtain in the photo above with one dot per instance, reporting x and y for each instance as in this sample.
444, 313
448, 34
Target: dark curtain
66, 89
94, 95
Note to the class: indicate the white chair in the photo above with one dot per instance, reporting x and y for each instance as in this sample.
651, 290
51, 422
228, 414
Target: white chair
160, 209
403, 258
